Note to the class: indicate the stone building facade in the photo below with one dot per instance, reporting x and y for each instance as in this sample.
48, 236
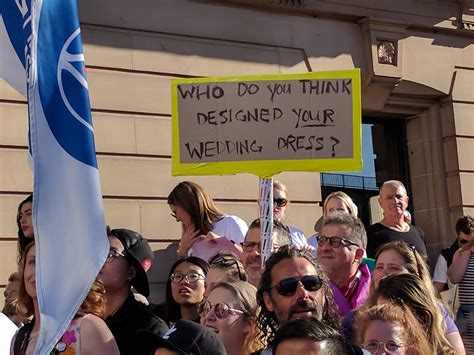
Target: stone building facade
417, 65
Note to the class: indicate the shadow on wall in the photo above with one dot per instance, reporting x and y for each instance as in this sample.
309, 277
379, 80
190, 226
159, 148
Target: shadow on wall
158, 274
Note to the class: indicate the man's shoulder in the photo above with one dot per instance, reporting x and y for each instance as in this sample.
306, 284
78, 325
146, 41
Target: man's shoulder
375, 228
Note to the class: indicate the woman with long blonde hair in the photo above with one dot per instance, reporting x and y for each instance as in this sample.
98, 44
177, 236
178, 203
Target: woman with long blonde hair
409, 289
230, 310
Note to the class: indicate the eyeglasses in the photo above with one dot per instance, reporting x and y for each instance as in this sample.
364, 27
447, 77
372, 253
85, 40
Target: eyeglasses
174, 216
192, 277
334, 242
221, 310
112, 255
280, 202
226, 262
463, 241
250, 246
287, 287
390, 346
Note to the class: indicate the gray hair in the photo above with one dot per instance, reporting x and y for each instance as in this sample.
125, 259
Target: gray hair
358, 235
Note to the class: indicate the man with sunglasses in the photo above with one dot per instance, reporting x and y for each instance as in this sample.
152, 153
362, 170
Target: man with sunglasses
252, 246
341, 246
463, 232
293, 286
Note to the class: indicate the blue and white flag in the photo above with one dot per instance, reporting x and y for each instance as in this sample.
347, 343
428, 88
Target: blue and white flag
68, 219
14, 24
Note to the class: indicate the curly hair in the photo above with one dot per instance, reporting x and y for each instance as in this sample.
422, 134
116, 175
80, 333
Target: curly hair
94, 302
195, 200
409, 289
397, 314
23, 240
267, 321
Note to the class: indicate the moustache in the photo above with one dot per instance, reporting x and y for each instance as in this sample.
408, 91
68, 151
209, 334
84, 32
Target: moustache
253, 259
304, 305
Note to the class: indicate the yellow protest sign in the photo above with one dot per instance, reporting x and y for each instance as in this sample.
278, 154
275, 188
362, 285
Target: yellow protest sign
267, 124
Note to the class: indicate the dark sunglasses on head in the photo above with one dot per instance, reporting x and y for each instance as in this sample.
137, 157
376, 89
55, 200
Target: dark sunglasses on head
226, 263
287, 287
280, 202
334, 242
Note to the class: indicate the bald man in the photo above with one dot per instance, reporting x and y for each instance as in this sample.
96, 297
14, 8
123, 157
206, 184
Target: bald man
393, 200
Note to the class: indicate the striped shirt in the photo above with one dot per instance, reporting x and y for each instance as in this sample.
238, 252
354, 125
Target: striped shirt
466, 286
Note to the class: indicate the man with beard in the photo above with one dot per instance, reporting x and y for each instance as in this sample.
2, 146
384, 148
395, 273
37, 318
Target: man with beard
393, 200
252, 247
292, 287
341, 246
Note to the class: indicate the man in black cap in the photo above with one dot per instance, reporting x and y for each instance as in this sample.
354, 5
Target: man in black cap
128, 260
184, 338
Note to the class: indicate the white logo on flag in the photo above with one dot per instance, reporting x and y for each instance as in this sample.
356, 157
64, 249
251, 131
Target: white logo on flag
65, 60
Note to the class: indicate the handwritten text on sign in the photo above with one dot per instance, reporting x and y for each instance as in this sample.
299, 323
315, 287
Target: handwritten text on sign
265, 120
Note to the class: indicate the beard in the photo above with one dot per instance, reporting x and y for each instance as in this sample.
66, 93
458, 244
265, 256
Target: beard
306, 305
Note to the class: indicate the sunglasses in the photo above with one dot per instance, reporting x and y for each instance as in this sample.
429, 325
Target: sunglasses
280, 202
334, 242
221, 310
287, 287
463, 241
227, 263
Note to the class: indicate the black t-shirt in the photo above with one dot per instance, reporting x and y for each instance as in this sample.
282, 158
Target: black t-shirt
131, 317
378, 234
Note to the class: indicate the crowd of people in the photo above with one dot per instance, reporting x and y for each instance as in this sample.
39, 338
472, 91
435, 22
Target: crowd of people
343, 290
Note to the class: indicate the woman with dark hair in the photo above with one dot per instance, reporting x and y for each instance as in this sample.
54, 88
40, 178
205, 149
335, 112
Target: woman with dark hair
310, 336
184, 290
410, 290
86, 334
25, 225
191, 205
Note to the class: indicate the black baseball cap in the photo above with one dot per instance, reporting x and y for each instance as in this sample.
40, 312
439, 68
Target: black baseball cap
138, 252
186, 338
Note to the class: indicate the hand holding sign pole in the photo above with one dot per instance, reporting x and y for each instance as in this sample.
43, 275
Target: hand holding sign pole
267, 124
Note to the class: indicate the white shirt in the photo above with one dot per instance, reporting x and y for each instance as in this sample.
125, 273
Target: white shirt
7, 330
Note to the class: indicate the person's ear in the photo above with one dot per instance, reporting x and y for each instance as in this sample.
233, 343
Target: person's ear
249, 324
132, 272
267, 298
359, 255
